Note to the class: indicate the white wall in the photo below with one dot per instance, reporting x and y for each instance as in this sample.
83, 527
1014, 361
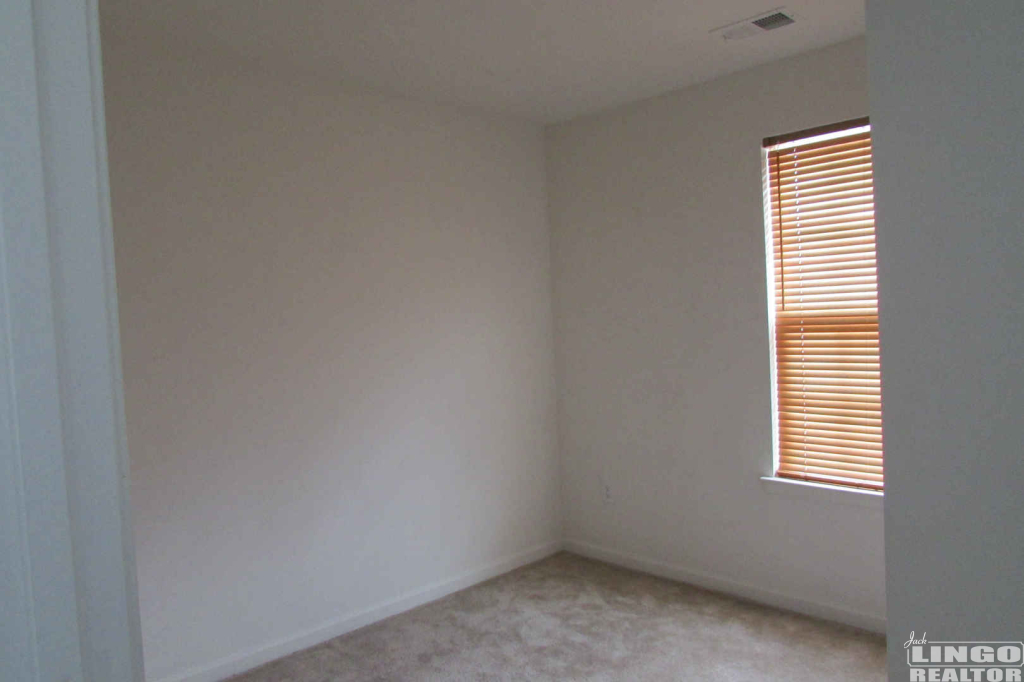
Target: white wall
663, 356
337, 342
947, 107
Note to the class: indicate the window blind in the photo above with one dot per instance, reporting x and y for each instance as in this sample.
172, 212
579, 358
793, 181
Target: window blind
825, 299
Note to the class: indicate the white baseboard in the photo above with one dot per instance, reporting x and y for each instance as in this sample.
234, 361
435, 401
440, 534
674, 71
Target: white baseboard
232, 665
831, 612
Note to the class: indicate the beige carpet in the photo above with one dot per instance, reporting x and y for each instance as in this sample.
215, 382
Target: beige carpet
570, 618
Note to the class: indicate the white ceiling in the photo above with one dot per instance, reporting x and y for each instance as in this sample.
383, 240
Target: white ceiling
548, 60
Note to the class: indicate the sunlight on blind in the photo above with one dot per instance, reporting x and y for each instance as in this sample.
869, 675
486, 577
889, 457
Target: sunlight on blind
827, 372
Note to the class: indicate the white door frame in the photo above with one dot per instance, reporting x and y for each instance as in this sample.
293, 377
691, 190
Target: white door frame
67, 574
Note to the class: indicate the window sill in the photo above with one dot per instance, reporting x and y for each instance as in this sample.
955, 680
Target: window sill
823, 493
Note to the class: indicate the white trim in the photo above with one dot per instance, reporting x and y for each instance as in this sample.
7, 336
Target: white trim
823, 493
39, 632
636, 562
88, 352
232, 665
769, 257
69, 603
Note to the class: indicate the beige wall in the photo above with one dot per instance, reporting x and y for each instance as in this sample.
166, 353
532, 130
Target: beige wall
336, 328
338, 349
664, 384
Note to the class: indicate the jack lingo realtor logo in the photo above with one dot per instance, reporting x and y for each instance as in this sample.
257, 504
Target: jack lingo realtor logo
963, 661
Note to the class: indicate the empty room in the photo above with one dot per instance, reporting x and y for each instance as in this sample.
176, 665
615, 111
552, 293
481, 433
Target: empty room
501, 340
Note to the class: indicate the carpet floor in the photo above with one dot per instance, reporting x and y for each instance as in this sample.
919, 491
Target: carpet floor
570, 618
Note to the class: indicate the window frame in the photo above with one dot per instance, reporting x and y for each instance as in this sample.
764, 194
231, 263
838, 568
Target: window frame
862, 494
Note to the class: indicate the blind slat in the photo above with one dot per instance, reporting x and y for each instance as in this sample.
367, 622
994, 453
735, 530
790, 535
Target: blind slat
839, 446
843, 399
800, 173
872, 433
829, 232
839, 279
794, 221
825, 186
865, 265
850, 156
849, 466
798, 262
813, 460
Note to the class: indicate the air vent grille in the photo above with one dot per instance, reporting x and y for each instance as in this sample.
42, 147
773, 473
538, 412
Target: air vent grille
773, 21
757, 24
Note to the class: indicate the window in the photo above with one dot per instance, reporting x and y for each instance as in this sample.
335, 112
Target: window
823, 305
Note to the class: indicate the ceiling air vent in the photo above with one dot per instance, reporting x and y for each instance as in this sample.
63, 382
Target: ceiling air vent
756, 25
773, 21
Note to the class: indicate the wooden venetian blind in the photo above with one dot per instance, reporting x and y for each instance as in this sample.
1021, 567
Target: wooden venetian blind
827, 381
